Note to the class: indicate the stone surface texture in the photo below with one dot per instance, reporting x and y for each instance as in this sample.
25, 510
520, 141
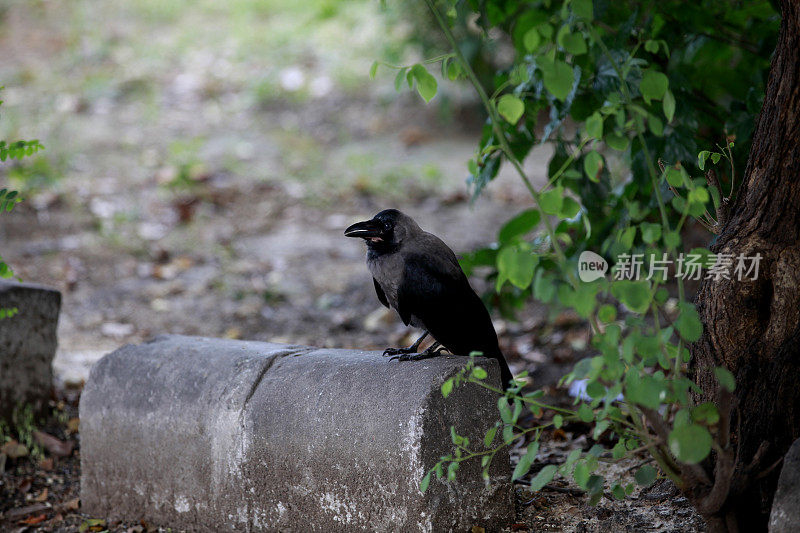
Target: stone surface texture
785, 515
27, 345
213, 435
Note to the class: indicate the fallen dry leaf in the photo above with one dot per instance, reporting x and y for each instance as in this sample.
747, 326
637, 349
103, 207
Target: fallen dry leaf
73, 426
46, 464
42, 497
71, 505
14, 449
25, 485
21, 512
33, 520
478, 529
53, 445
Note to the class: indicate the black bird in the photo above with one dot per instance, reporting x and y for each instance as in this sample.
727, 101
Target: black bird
418, 275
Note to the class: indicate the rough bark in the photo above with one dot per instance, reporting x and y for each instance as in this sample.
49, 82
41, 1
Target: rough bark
753, 327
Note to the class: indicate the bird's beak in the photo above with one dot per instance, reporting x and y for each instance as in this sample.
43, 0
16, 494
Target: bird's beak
369, 229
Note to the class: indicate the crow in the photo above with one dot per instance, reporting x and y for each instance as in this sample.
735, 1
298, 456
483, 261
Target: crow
417, 274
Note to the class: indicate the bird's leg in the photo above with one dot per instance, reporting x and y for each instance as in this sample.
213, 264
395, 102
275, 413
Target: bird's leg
432, 351
411, 349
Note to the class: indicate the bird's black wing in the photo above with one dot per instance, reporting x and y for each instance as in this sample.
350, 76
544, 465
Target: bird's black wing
381, 294
441, 298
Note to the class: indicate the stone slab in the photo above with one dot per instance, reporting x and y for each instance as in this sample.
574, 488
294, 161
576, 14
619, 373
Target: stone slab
27, 345
222, 435
785, 514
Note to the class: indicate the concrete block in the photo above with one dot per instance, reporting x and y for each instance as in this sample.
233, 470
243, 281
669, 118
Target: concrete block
222, 435
27, 345
785, 514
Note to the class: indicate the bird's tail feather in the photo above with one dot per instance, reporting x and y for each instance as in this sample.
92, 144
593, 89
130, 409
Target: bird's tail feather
505, 373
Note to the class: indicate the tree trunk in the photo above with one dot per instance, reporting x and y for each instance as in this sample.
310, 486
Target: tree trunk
753, 327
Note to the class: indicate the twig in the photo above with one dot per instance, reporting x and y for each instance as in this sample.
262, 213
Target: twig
695, 473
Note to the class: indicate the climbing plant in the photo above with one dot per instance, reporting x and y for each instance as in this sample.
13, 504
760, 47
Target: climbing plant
10, 198
649, 108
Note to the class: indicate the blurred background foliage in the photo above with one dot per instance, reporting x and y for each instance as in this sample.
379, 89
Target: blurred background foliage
203, 157
168, 123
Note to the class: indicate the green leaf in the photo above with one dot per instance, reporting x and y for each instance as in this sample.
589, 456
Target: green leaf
510, 108
655, 125
585, 413
688, 322
650, 232
558, 421
594, 126
626, 237
373, 70
517, 264
593, 165
489, 438
525, 462
447, 387
573, 43
725, 378
644, 390
701, 159
532, 40
519, 225
669, 106
426, 83
552, 200
690, 444
569, 209
544, 477
698, 195
581, 474
398, 80
645, 476
672, 239
505, 410
451, 471
423, 485
706, 412
675, 176
600, 428
653, 85
479, 373
634, 294
582, 8
544, 289
617, 142
558, 79
607, 313
453, 70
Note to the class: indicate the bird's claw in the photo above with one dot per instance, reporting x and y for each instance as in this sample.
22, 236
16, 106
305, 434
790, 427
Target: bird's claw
397, 351
427, 354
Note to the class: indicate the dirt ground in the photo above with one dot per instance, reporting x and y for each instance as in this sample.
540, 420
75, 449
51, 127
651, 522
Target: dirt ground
200, 169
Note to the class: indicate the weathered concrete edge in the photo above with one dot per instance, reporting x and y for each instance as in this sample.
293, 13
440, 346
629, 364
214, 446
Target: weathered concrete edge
238, 432
92, 485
